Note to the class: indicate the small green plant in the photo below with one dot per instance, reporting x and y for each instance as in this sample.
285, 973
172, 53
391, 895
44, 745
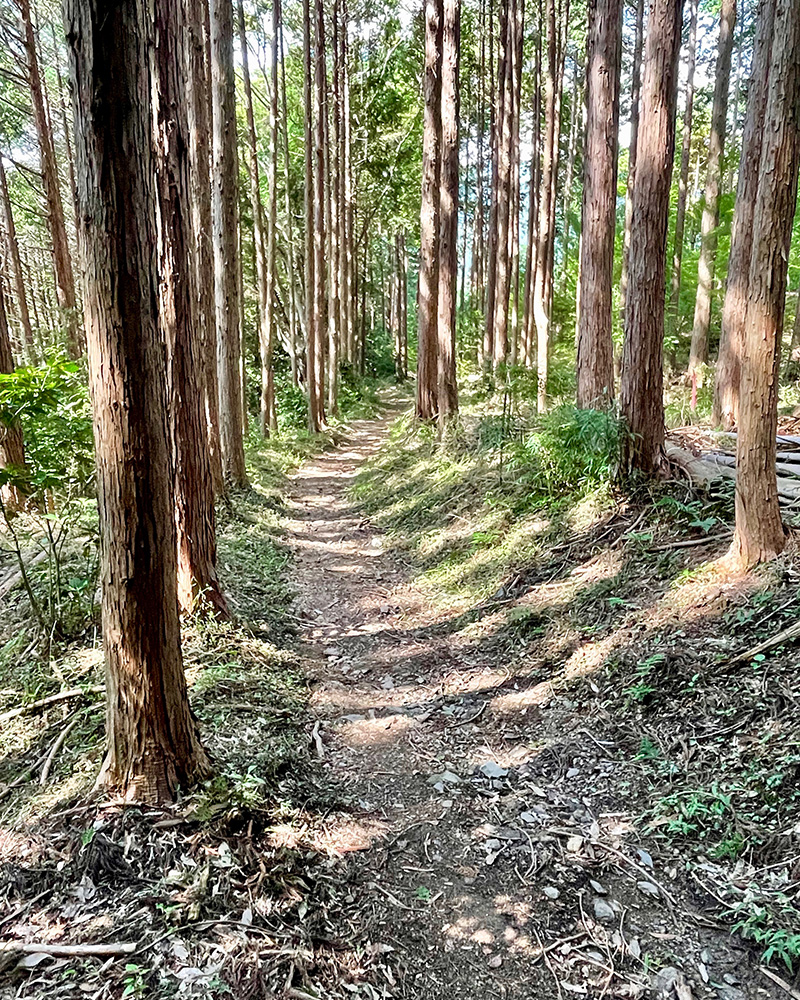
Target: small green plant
760, 920
642, 685
135, 983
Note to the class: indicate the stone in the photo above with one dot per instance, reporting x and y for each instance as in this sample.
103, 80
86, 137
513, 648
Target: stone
492, 770
603, 911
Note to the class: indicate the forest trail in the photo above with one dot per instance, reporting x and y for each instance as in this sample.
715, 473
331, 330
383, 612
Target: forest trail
488, 851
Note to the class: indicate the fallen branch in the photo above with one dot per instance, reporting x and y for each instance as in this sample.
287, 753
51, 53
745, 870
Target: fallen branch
785, 635
70, 950
51, 699
687, 543
15, 578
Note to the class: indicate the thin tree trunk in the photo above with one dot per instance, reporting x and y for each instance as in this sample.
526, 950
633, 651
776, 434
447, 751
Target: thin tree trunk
448, 210
642, 384
226, 244
62, 262
734, 310
153, 744
331, 151
294, 310
504, 127
566, 203
698, 354
497, 94
203, 256
636, 94
16, 265
598, 216
759, 532
12, 446
540, 311
683, 180
319, 232
428, 287
533, 198
268, 388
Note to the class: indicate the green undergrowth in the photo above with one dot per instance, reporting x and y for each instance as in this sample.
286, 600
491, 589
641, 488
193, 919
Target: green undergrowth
492, 495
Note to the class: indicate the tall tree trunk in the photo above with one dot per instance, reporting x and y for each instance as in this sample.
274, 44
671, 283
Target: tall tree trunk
62, 262
636, 95
225, 212
540, 311
12, 446
477, 271
698, 354
153, 744
294, 309
734, 310
642, 384
203, 257
533, 197
598, 216
16, 265
566, 203
320, 290
448, 210
505, 84
497, 95
683, 180
265, 301
312, 329
759, 532
194, 493
331, 151
428, 286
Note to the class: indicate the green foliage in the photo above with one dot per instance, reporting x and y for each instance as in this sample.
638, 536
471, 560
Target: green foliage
51, 404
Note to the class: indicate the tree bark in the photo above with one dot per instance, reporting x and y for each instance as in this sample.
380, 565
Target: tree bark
636, 94
759, 533
528, 325
16, 265
320, 290
734, 310
195, 518
540, 311
225, 216
153, 744
698, 354
598, 216
428, 286
12, 446
642, 383
448, 210
62, 262
198, 98
683, 180
265, 300
313, 388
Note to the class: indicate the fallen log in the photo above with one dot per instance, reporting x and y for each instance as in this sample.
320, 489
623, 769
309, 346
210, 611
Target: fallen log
70, 950
704, 471
15, 578
51, 699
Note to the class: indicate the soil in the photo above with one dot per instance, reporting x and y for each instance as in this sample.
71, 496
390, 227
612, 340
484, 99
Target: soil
494, 854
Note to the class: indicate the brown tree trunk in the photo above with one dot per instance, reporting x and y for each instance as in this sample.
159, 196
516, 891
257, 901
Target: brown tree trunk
16, 265
225, 213
759, 533
62, 262
320, 203
428, 287
12, 447
716, 148
194, 494
734, 310
497, 95
153, 744
528, 325
265, 301
313, 388
448, 210
198, 94
636, 95
642, 384
566, 203
295, 309
683, 180
540, 288
598, 216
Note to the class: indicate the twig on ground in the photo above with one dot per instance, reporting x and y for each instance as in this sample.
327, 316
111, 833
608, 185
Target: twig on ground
70, 950
51, 699
688, 543
317, 740
62, 738
785, 635
779, 982
472, 718
24, 908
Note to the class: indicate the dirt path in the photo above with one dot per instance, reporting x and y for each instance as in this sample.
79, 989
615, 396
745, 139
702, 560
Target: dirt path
490, 858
